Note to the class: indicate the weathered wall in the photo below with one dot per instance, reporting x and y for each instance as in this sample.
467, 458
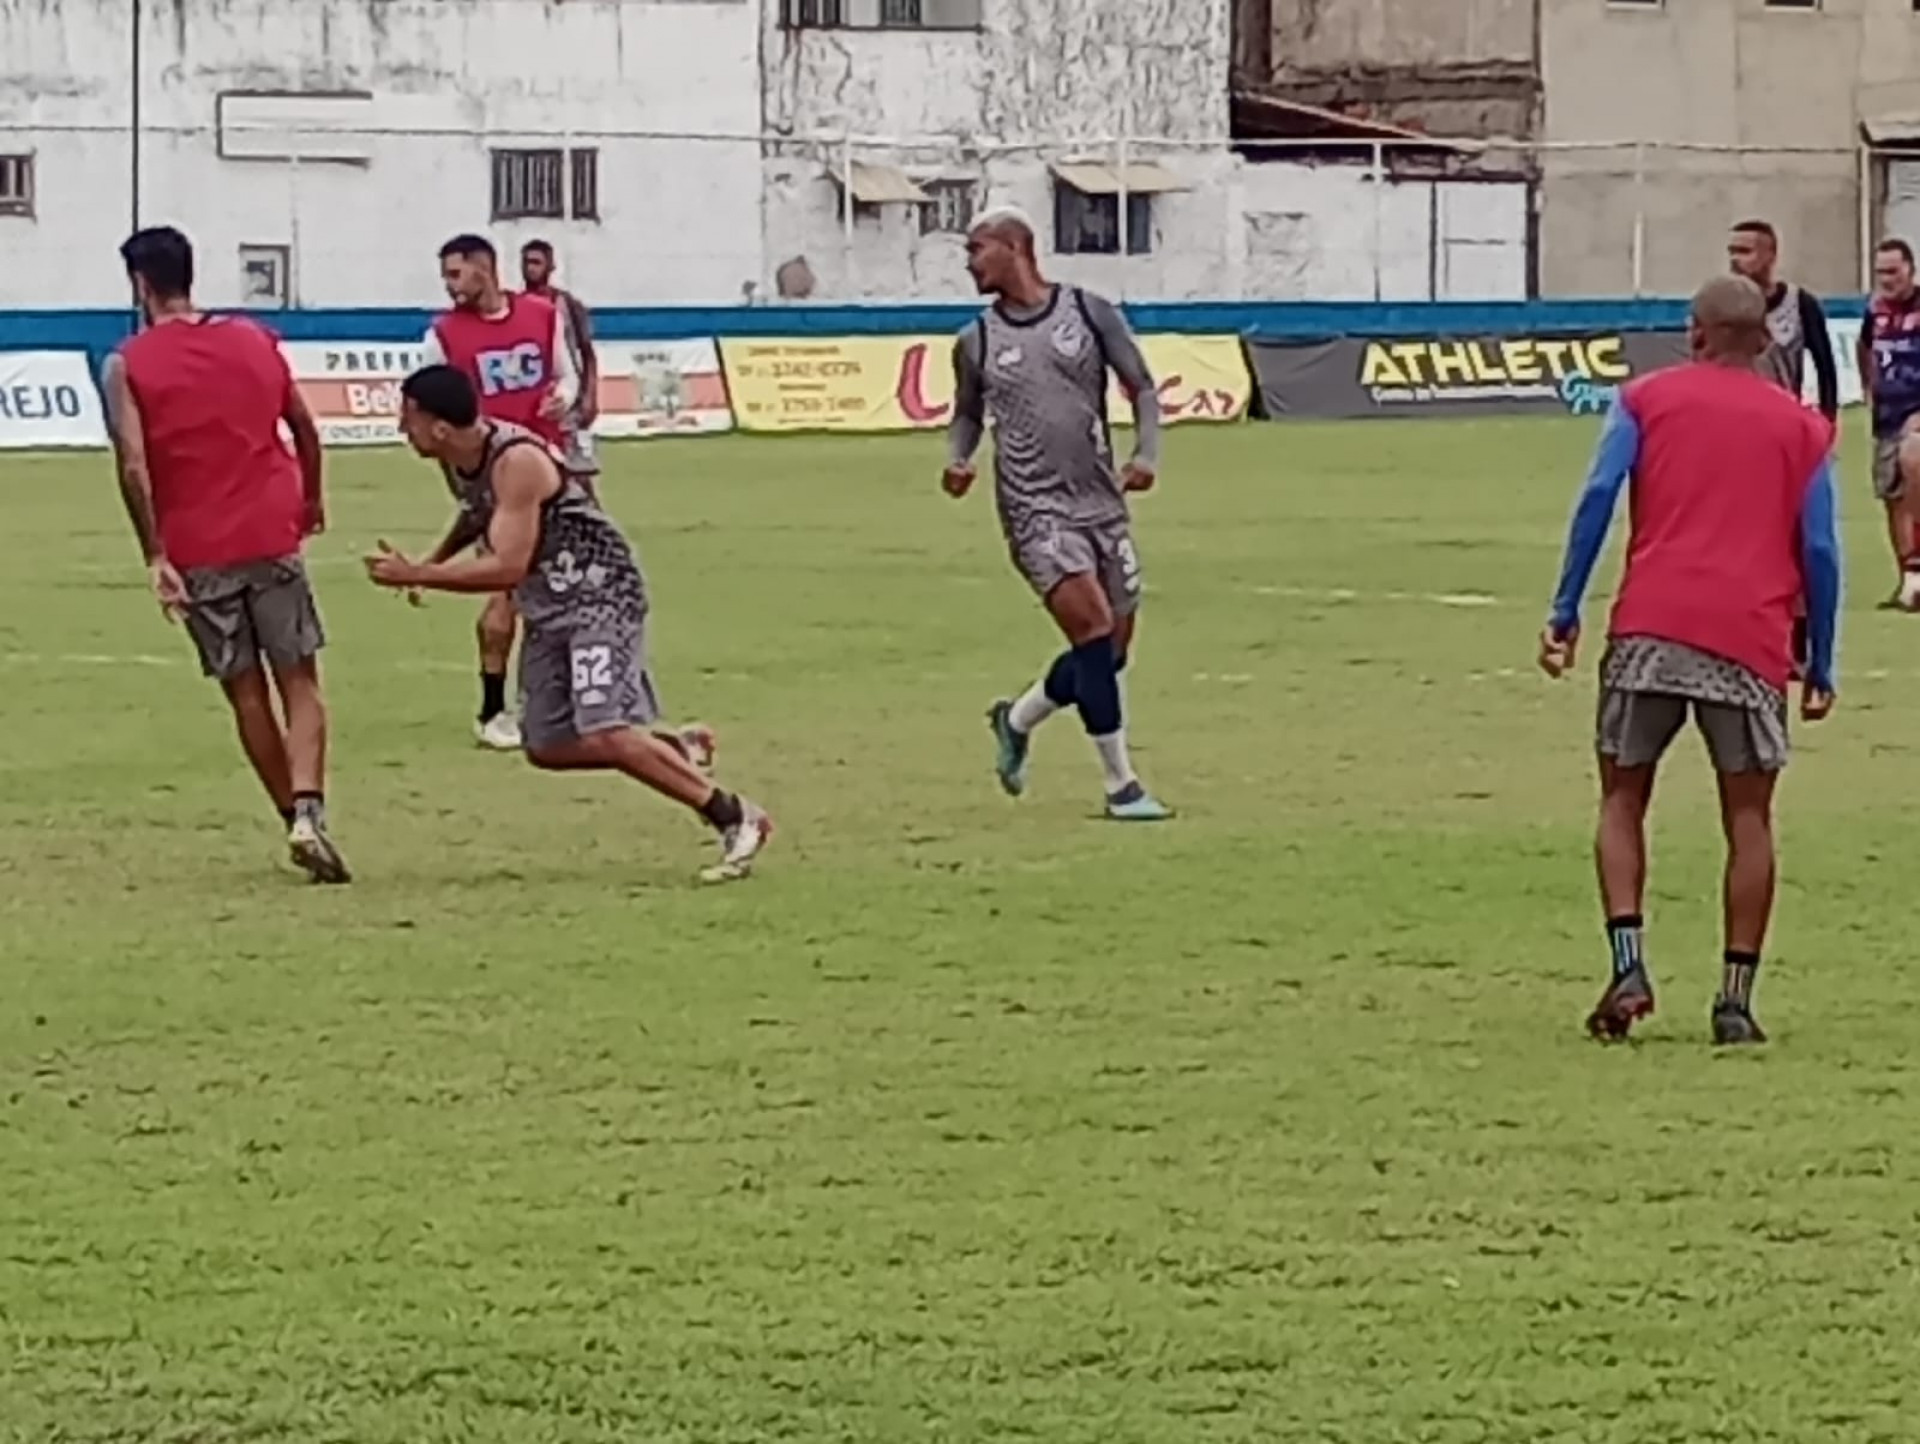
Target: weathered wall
1715, 73
679, 218
1042, 80
1312, 34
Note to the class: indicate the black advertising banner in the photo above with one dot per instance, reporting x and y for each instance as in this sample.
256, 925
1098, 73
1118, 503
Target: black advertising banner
1355, 377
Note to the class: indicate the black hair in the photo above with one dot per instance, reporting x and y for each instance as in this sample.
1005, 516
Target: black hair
163, 258
467, 246
1899, 248
444, 393
1759, 228
545, 248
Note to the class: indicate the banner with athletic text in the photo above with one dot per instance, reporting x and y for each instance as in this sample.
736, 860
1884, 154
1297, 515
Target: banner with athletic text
647, 388
48, 399
1355, 377
905, 383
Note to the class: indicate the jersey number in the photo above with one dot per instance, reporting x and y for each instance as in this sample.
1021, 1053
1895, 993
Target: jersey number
1129, 564
592, 668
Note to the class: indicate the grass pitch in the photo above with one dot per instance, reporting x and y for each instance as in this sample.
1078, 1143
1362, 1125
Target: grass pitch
966, 1119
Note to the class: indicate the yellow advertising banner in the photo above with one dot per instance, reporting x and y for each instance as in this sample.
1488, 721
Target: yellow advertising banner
905, 383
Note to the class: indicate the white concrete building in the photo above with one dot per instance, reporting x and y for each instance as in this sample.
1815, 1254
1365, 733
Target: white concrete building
319, 151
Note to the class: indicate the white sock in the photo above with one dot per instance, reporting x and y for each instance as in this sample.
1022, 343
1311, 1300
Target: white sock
1033, 708
1114, 762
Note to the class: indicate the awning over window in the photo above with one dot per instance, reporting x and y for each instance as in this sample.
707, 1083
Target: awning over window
1097, 178
881, 185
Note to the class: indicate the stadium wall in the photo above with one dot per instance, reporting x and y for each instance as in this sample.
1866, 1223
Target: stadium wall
697, 370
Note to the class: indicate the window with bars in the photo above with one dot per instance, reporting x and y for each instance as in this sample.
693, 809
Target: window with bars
880, 14
951, 207
550, 184
16, 185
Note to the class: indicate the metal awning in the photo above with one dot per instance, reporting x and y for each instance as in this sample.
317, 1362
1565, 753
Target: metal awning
881, 185
1098, 178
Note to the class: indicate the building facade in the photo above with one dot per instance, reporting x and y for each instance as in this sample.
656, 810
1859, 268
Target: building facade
319, 151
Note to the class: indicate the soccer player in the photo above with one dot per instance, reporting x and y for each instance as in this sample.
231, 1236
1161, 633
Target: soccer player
1037, 362
514, 349
1888, 352
220, 508
1732, 520
586, 690
1797, 331
536, 276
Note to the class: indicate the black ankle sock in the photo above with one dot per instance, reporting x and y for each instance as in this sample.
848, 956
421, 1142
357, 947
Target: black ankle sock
493, 695
723, 810
1736, 976
287, 815
1625, 942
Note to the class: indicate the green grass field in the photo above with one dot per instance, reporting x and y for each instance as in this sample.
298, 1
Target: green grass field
965, 1120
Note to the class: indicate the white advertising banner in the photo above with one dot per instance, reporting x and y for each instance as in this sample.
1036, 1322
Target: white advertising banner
48, 399
647, 388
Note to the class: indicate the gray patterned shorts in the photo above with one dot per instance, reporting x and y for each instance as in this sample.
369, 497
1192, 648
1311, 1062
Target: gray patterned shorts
252, 615
576, 680
1649, 686
1047, 552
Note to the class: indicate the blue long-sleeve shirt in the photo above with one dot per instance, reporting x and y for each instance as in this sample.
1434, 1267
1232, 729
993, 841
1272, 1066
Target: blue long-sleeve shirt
1614, 459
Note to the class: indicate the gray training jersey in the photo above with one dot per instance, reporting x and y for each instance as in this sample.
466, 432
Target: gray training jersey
584, 570
1044, 383
1785, 359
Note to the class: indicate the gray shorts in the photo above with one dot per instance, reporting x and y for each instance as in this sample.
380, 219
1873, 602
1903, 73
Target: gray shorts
579, 680
1887, 484
1048, 552
257, 613
581, 455
1635, 729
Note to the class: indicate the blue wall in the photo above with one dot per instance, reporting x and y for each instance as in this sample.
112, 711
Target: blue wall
99, 331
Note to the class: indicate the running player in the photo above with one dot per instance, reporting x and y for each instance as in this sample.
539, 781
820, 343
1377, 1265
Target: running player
536, 276
587, 695
220, 508
1037, 362
1732, 522
514, 349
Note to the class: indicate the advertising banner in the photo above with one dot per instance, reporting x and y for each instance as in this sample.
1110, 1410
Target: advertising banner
48, 399
647, 388
1354, 377
905, 383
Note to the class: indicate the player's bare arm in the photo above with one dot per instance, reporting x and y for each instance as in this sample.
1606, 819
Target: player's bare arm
565, 390
1136, 377
463, 533
128, 433
312, 456
589, 409
523, 481
969, 422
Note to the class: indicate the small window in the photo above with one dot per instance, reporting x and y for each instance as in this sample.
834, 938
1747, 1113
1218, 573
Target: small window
950, 208
546, 185
1089, 225
880, 14
16, 185
1641, 4
264, 273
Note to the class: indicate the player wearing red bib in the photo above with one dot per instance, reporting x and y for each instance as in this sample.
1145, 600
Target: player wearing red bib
513, 348
220, 508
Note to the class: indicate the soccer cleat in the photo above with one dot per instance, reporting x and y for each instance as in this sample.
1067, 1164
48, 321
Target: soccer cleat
314, 854
701, 744
1627, 1000
499, 733
1133, 803
1733, 1025
1010, 749
741, 845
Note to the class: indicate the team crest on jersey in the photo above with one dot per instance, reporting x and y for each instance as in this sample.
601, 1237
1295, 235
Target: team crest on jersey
1067, 341
1008, 358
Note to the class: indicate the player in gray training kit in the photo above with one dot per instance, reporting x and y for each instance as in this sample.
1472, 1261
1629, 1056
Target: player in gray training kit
587, 694
1037, 362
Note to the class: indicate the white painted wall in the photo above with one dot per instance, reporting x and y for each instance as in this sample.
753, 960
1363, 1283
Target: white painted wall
1323, 233
1041, 80
680, 218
